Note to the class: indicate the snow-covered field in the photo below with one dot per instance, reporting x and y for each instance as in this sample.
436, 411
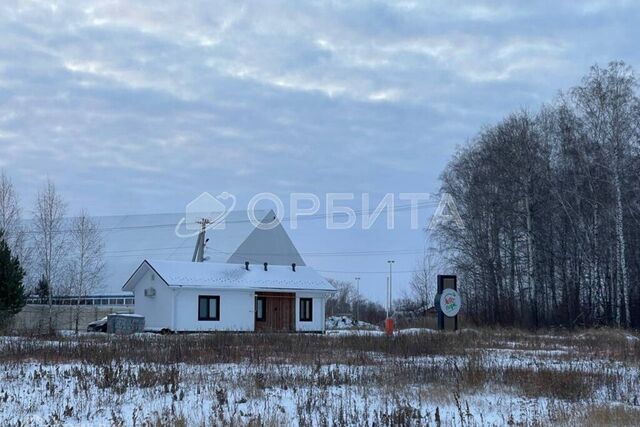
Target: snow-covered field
416, 377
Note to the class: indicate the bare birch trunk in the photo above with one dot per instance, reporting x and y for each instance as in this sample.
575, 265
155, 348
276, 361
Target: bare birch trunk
530, 278
622, 262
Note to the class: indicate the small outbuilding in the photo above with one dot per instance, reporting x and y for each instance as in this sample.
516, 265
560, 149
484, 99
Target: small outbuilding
204, 296
124, 323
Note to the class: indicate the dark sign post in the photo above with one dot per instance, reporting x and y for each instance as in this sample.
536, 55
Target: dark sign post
447, 303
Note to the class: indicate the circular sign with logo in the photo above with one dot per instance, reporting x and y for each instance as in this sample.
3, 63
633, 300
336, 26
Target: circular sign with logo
450, 302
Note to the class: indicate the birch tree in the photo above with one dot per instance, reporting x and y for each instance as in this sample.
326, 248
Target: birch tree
423, 281
50, 239
608, 106
11, 219
86, 263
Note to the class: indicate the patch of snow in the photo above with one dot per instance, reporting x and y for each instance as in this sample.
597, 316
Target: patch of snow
346, 322
410, 331
346, 332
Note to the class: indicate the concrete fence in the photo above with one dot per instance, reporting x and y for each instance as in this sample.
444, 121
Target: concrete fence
35, 317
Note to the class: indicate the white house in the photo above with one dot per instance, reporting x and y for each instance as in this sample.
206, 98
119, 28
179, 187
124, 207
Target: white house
250, 279
217, 293
203, 296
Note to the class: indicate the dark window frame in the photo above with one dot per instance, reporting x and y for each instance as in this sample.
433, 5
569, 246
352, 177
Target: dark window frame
208, 298
264, 309
306, 317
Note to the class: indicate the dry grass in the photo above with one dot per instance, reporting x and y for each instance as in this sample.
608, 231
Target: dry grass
309, 348
619, 416
405, 380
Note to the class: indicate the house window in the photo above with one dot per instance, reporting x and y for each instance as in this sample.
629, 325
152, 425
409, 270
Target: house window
261, 308
306, 309
208, 307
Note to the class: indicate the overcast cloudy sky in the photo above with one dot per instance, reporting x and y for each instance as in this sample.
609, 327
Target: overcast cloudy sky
139, 106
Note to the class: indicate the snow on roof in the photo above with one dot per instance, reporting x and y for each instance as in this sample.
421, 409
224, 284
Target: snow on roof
223, 275
125, 315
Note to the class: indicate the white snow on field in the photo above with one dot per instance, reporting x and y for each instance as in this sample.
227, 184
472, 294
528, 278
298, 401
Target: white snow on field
129, 393
39, 394
346, 328
77, 405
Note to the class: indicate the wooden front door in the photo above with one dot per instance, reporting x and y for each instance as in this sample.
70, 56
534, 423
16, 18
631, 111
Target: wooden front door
279, 312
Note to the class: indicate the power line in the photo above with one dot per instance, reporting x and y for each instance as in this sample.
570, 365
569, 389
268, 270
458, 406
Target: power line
368, 272
357, 212
250, 254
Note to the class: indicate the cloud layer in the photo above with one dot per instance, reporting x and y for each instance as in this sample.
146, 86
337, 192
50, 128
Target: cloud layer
137, 106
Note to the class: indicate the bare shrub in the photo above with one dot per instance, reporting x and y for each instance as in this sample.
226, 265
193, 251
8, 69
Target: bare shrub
570, 384
618, 415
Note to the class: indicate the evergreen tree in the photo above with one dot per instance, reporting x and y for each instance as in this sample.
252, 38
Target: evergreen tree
42, 288
12, 294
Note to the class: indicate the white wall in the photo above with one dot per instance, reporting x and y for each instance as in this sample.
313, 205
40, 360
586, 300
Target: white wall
236, 310
317, 323
180, 312
156, 310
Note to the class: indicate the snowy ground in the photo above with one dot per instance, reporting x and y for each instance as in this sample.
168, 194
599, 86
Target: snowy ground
346, 323
417, 377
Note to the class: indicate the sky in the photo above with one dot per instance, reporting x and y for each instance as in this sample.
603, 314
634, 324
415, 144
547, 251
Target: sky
138, 107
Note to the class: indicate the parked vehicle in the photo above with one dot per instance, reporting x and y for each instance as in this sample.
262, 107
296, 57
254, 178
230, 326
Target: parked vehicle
98, 325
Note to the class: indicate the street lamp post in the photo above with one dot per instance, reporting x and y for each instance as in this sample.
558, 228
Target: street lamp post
357, 299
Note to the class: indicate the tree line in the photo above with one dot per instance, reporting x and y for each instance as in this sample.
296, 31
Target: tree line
550, 202
347, 301
51, 254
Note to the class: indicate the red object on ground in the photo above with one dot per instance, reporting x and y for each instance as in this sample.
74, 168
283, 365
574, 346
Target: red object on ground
388, 326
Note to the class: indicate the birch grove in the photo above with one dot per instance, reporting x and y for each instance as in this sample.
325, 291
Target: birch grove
550, 203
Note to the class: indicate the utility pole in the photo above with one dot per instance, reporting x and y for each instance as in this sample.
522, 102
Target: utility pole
357, 299
198, 252
390, 283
